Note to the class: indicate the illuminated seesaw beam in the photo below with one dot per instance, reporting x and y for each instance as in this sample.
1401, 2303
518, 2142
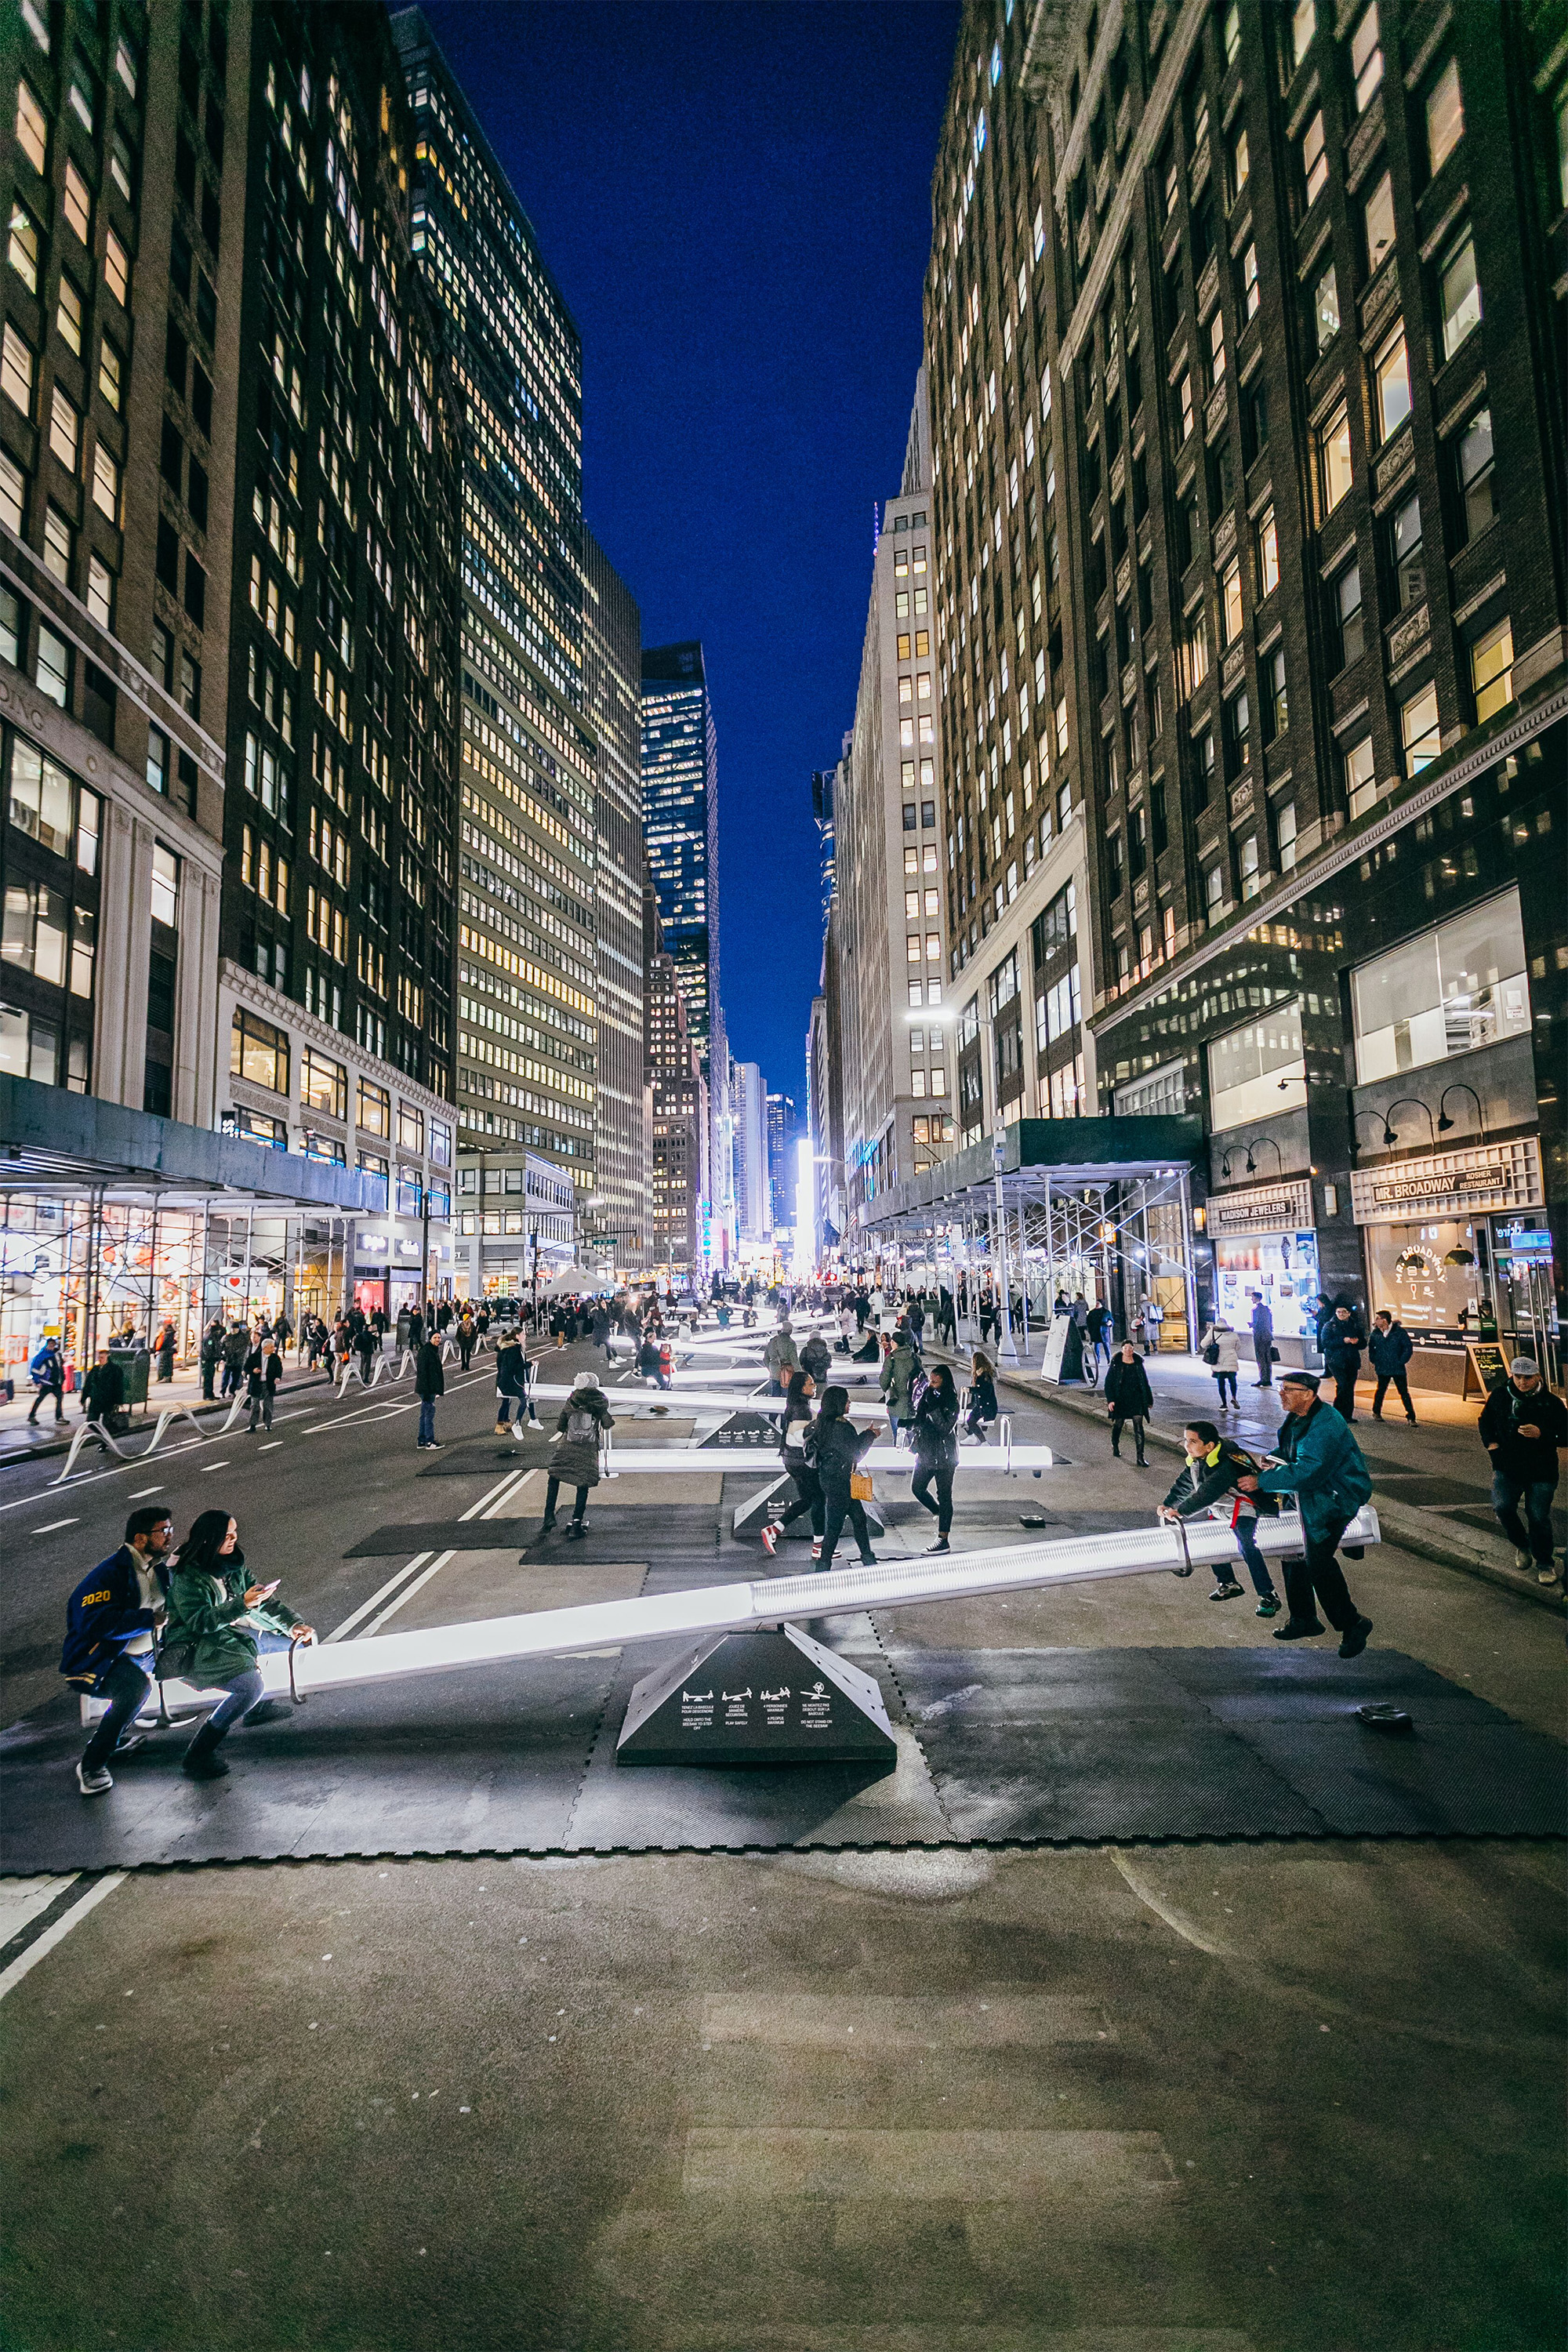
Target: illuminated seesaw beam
694, 1460
742, 1608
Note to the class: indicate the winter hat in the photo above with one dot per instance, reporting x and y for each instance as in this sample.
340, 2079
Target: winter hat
1523, 1366
584, 1381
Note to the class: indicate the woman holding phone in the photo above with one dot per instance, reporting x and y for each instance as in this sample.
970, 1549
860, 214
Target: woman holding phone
224, 1620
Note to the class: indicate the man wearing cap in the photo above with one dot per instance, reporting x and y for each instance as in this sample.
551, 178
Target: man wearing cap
1321, 1464
1521, 1425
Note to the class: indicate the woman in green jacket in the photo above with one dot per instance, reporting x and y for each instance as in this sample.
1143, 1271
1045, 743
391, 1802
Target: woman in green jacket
224, 1620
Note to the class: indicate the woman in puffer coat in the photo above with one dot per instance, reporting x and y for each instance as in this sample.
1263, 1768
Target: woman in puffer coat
575, 1459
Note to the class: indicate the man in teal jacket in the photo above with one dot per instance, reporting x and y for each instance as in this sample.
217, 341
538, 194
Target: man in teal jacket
1321, 1464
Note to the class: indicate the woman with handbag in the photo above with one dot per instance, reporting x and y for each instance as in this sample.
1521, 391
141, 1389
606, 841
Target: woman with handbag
585, 1420
833, 1447
794, 1429
936, 1450
218, 1621
1217, 1348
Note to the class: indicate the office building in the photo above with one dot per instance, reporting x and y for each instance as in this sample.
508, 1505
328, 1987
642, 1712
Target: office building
681, 824
1307, 340
1013, 840
528, 1012
338, 941
784, 1134
679, 1125
612, 652
753, 1195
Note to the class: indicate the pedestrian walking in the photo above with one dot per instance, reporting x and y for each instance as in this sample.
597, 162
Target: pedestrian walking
816, 1359
1341, 1343
464, 1337
1097, 1331
164, 1353
795, 1424
1128, 1398
585, 1422
1217, 1348
236, 1348
1209, 1482
935, 1435
983, 1410
219, 1623
367, 1347
48, 1374
1390, 1350
896, 1380
103, 1391
599, 1330
209, 1356
781, 1356
1319, 1462
1262, 1329
429, 1382
112, 1625
1152, 1316
834, 1448
1522, 1426
263, 1370
946, 1317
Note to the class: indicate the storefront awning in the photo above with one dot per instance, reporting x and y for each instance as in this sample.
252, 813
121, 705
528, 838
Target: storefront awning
54, 1142
1065, 1152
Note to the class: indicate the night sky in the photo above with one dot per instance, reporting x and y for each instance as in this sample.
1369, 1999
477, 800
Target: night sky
736, 201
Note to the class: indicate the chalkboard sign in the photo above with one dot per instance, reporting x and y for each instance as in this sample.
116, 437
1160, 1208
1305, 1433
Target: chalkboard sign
1486, 1368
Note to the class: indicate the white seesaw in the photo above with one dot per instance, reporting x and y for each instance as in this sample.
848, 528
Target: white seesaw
770, 1602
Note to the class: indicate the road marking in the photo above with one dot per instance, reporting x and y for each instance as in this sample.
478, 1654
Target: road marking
365, 1607
50, 1526
22, 1899
12, 1977
271, 1447
213, 1466
476, 1510
406, 1594
141, 1492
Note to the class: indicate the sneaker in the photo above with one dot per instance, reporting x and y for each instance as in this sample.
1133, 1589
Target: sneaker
1292, 1631
1522, 1561
869, 1560
817, 1551
770, 1540
941, 1544
576, 1531
547, 1526
1268, 1608
1226, 1591
93, 1784
1546, 1573
1352, 1644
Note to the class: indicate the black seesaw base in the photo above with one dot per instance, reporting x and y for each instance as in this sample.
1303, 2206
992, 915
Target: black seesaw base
758, 1698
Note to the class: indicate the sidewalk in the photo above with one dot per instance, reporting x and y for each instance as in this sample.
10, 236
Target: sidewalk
1432, 1483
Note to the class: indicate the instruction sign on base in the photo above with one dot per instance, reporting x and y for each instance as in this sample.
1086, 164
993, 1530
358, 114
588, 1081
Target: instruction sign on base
758, 1698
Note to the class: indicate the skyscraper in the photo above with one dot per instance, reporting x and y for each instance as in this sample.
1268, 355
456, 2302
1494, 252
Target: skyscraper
526, 960
612, 647
680, 824
335, 1001
749, 1108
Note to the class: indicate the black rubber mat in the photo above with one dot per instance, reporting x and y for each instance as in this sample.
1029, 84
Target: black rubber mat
1042, 1747
1052, 1745
615, 1531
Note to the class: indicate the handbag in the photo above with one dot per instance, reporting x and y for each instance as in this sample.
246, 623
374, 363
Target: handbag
861, 1488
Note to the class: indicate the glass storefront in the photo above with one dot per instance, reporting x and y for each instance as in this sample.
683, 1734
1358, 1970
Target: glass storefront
1282, 1268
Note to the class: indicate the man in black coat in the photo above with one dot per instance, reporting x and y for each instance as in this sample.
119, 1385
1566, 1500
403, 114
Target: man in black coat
1341, 1341
429, 1382
1522, 1426
1390, 1350
103, 1390
1128, 1397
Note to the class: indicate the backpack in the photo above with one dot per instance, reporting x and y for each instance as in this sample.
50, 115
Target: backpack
582, 1427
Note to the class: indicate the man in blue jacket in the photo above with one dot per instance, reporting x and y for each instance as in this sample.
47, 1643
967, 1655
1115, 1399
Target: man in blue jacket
111, 1623
1321, 1464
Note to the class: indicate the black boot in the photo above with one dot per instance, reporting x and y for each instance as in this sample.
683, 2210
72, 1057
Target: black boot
201, 1759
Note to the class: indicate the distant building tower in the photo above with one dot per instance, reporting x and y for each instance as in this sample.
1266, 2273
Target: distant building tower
783, 1159
749, 1106
612, 658
681, 822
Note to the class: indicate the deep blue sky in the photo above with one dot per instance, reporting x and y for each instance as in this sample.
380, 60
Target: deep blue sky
734, 198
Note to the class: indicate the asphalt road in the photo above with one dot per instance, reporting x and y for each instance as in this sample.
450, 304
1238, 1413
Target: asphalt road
1187, 2098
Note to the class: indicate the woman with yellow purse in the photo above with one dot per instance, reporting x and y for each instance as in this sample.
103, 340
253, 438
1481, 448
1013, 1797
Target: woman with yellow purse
834, 1447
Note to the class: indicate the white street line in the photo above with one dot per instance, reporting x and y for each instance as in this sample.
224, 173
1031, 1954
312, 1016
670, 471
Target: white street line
141, 1492
504, 1508
476, 1510
22, 1899
213, 1466
365, 1607
408, 1593
49, 1526
12, 1977
271, 1446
